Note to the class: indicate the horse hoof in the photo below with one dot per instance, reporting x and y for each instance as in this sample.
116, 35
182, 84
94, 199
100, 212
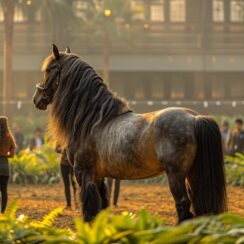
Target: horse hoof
88, 219
186, 216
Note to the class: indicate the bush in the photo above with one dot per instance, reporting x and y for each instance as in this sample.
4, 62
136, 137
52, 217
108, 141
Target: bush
37, 167
125, 228
235, 169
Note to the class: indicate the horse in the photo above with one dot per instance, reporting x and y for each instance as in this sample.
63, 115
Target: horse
105, 138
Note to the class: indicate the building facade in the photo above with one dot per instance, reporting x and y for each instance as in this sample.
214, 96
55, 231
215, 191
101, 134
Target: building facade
189, 53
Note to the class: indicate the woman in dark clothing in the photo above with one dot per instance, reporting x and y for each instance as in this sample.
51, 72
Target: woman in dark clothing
67, 173
19, 139
7, 150
116, 190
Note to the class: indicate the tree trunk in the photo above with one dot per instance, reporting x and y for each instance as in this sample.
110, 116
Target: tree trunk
8, 9
106, 54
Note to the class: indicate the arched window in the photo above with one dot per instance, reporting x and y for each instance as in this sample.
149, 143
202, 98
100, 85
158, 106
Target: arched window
178, 10
38, 15
138, 8
237, 10
19, 15
157, 11
218, 11
1, 14
79, 6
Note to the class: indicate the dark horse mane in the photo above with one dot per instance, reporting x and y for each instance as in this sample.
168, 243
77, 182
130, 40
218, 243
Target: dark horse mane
82, 102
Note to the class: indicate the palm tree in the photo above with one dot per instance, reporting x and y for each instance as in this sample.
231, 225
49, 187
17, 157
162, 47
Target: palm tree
108, 19
8, 7
56, 13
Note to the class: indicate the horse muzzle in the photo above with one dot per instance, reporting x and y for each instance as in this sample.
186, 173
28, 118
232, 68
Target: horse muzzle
40, 104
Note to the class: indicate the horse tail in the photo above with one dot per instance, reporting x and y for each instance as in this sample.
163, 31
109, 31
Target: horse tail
207, 186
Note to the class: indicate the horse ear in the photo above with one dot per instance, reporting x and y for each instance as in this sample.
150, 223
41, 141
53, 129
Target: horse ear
55, 52
67, 50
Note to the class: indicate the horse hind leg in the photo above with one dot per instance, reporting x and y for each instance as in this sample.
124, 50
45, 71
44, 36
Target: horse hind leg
179, 192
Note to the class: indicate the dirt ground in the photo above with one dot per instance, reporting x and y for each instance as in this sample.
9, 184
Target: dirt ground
37, 201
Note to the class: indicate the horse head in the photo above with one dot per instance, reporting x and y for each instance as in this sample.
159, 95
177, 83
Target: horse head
45, 90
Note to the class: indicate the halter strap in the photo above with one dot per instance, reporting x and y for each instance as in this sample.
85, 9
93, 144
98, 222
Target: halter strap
46, 86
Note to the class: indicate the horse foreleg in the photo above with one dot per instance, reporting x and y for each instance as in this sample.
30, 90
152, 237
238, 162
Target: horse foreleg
179, 192
89, 194
104, 192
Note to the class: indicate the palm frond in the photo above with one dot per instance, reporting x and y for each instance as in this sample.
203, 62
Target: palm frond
48, 220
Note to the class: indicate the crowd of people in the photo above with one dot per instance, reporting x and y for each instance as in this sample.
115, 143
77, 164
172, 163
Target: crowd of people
11, 144
233, 139
36, 141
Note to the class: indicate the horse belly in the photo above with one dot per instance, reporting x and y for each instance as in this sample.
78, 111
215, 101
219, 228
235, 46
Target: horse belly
128, 150
131, 165
127, 171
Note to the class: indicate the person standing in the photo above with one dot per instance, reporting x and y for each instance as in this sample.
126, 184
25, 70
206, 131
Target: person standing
225, 132
236, 139
116, 190
7, 150
37, 141
19, 139
67, 172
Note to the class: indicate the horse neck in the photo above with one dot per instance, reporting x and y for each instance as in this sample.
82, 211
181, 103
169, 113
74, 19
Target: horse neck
104, 102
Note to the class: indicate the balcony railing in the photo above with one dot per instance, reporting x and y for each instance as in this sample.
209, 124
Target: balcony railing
151, 42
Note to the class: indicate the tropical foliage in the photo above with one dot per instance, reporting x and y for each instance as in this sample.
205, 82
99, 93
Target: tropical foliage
109, 20
125, 228
37, 167
235, 169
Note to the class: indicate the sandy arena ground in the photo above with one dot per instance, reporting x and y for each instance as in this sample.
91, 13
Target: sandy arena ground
36, 201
